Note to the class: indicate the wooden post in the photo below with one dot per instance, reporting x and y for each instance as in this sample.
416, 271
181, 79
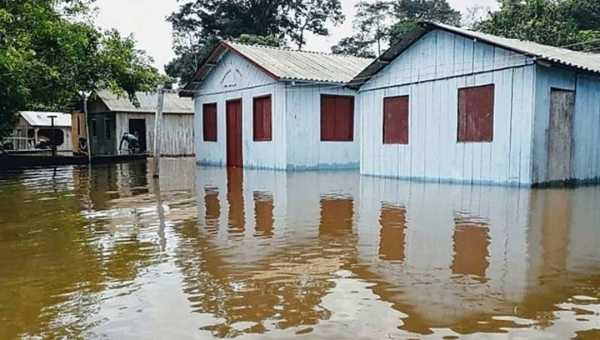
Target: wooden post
158, 129
87, 128
52, 139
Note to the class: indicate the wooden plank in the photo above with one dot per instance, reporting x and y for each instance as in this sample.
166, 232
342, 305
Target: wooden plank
395, 120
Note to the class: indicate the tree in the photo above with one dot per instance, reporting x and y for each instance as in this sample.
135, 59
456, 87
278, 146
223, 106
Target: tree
373, 22
251, 39
355, 46
388, 21
312, 16
48, 55
408, 13
549, 22
198, 25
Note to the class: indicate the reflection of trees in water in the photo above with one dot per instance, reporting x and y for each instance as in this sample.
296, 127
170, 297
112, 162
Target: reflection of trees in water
53, 266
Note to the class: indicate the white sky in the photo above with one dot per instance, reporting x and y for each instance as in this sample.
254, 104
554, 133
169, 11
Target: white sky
146, 20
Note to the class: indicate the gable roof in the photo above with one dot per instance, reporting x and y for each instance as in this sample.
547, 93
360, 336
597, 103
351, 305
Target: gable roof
584, 61
36, 118
285, 65
173, 103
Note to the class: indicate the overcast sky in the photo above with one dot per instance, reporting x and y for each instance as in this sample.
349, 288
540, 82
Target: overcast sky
146, 20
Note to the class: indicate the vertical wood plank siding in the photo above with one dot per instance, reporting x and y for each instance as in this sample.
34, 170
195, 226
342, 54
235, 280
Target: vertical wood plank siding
433, 153
305, 151
586, 123
235, 78
177, 139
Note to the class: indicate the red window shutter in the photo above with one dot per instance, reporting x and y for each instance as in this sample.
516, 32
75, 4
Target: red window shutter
476, 114
327, 118
262, 119
209, 122
395, 120
344, 122
337, 118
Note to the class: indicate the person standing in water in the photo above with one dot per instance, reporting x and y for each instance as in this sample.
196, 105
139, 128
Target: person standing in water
132, 142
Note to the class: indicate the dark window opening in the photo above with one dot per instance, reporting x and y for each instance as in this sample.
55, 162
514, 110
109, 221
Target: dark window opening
94, 128
107, 130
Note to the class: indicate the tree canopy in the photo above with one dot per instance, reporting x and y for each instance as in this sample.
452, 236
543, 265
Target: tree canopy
570, 23
198, 26
50, 50
383, 22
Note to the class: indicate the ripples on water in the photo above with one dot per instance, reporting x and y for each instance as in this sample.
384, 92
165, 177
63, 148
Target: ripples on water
109, 253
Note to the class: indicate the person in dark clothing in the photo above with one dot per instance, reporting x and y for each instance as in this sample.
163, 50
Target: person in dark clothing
132, 142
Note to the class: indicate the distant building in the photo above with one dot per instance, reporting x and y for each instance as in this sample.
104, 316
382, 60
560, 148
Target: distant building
34, 128
449, 104
110, 116
272, 108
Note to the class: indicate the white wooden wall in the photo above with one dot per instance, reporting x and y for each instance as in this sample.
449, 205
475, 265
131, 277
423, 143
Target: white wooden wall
305, 150
586, 122
177, 132
235, 78
433, 153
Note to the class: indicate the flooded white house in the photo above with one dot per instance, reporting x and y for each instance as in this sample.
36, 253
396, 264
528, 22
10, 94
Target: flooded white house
271, 108
452, 105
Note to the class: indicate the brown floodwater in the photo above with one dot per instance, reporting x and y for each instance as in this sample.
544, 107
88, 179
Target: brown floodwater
110, 253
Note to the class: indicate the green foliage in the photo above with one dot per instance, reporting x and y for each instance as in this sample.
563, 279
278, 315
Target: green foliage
199, 24
571, 23
408, 13
382, 22
355, 46
49, 51
251, 39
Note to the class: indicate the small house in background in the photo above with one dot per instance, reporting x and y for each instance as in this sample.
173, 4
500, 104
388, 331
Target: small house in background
34, 129
272, 108
449, 104
111, 115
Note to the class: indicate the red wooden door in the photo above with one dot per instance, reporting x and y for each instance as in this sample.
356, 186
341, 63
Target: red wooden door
234, 133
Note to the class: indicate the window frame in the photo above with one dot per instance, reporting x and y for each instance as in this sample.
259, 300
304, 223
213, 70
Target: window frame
214, 122
336, 117
267, 136
463, 135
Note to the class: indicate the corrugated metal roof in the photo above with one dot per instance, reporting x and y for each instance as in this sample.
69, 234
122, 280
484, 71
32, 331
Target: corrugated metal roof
581, 60
285, 64
173, 103
302, 65
36, 118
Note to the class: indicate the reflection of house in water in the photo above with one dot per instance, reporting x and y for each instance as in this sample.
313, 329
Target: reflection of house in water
446, 256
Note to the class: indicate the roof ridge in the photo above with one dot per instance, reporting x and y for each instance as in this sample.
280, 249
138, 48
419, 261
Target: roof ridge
287, 49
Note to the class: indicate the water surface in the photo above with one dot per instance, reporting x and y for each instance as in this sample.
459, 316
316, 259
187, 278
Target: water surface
110, 253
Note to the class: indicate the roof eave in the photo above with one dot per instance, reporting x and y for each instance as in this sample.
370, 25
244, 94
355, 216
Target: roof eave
212, 61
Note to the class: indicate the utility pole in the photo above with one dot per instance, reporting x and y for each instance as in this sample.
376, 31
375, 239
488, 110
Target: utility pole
158, 128
52, 140
87, 127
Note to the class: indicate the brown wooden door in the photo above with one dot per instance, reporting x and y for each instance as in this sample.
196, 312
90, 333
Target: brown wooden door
560, 135
234, 133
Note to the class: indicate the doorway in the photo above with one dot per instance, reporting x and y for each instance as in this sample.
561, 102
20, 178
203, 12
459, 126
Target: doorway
139, 126
560, 136
234, 133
